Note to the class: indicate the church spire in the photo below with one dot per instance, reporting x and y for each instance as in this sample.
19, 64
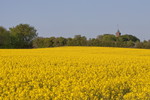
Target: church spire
118, 33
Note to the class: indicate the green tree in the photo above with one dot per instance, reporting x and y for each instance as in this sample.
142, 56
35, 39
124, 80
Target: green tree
107, 40
130, 44
146, 44
107, 37
4, 38
125, 38
80, 40
51, 41
60, 41
22, 35
139, 45
94, 42
70, 42
41, 42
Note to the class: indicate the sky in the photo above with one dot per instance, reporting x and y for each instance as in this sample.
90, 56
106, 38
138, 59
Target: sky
89, 18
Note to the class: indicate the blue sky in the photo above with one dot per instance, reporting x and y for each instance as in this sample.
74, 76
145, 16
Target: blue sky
86, 17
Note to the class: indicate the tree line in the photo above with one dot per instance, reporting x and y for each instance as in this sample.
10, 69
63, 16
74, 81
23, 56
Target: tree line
25, 36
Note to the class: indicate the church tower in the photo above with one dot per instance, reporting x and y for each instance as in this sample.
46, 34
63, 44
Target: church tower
118, 33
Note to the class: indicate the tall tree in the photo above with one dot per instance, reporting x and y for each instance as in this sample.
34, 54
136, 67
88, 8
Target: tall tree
22, 35
60, 41
80, 40
126, 37
106, 37
41, 42
4, 38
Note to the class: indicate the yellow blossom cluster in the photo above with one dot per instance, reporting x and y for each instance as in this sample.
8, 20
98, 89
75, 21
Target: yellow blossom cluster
75, 73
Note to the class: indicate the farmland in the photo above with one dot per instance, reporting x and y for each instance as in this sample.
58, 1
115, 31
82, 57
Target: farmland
78, 73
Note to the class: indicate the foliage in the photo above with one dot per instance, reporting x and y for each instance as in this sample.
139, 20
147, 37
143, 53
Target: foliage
107, 37
25, 36
42, 42
60, 41
106, 40
79, 73
145, 44
22, 35
80, 40
125, 38
4, 38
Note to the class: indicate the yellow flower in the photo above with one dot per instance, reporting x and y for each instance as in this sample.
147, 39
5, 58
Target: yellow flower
75, 73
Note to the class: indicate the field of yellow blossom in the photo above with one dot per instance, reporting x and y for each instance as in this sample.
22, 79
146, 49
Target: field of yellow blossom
75, 73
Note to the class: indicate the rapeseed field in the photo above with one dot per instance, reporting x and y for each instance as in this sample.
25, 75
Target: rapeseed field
75, 73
